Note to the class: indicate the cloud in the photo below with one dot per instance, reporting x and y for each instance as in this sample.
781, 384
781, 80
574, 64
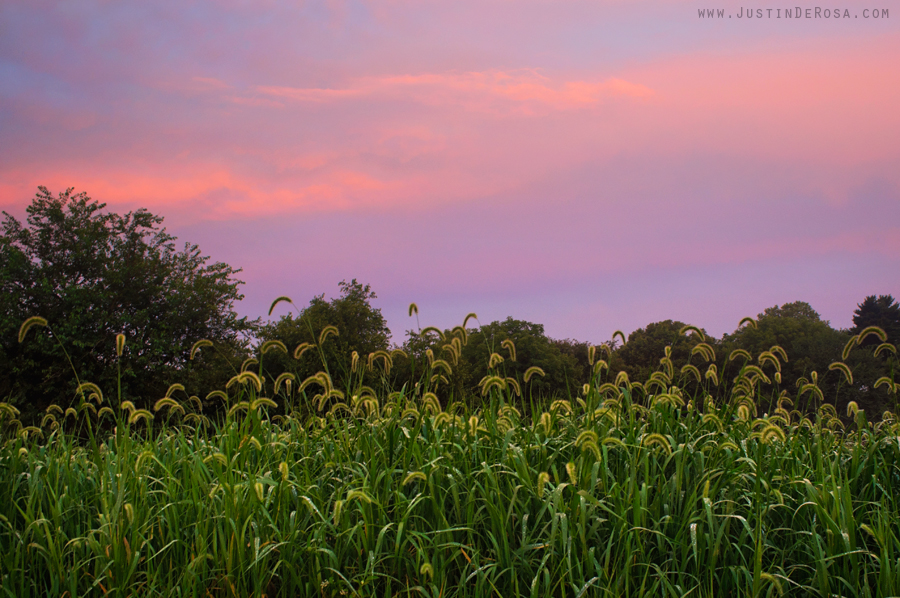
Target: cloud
256, 102
311, 95
210, 83
211, 193
491, 91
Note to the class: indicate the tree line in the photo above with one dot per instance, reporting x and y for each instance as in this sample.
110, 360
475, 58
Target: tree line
93, 276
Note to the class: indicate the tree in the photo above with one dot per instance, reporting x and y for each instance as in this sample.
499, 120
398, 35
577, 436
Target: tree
361, 328
640, 356
811, 344
93, 275
579, 351
884, 312
563, 375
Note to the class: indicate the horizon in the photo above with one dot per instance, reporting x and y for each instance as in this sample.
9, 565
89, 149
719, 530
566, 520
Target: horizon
588, 166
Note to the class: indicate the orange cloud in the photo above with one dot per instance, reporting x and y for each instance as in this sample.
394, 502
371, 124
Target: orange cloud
213, 193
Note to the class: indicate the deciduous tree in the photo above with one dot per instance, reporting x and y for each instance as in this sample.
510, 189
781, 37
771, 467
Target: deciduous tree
361, 328
93, 275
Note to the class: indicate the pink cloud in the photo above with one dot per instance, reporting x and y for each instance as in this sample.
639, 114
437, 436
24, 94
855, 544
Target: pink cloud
479, 91
256, 102
311, 95
210, 83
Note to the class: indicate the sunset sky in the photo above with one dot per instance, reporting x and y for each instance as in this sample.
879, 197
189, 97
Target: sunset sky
589, 165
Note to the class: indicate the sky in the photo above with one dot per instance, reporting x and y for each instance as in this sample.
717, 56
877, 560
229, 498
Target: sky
592, 166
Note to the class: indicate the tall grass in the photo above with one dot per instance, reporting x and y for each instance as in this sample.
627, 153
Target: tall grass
624, 490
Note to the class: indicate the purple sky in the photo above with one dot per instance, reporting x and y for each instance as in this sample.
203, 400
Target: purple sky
591, 166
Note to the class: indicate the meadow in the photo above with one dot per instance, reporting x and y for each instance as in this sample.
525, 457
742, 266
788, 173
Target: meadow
288, 487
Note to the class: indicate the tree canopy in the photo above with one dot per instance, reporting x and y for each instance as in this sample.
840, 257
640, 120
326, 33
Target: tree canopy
809, 342
812, 345
360, 328
640, 355
562, 376
93, 275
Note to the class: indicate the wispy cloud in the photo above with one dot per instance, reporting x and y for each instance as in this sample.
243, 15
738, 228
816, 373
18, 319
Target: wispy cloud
490, 91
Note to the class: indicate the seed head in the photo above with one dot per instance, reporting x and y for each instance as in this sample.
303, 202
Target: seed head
771, 433
277, 301
546, 423
196, 346
844, 368
694, 329
885, 347
272, 344
511, 347
881, 334
659, 440
573, 473
93, 388
433, 329
27, 324
285, 377
740, 353
174, 387
301, 348
749, 321
328, 330
854, 340
531, 372
414, 476
691, 369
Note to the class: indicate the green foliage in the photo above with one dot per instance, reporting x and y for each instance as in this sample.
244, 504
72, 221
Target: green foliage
624, 500
572, 349
533, 348
812, 345
622, 489
360, 327
641, 355
92, 275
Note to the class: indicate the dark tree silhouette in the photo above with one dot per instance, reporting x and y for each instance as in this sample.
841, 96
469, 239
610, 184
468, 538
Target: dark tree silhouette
882, 311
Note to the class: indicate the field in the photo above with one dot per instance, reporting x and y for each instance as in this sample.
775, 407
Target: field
293, 488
